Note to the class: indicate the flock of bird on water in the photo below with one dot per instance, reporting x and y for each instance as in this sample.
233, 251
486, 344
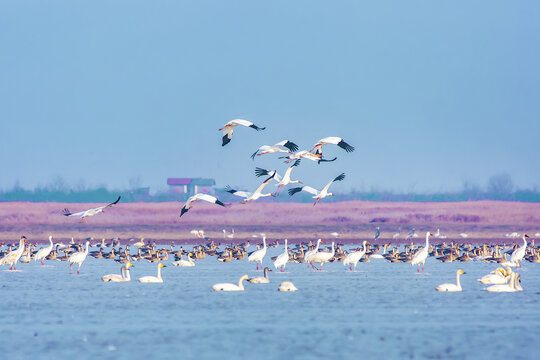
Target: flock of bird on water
502, 279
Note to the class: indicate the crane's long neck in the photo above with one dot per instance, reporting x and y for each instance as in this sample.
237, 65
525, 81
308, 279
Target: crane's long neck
333, 250
524, 242
285, 245
427, 240
264, 242
86, 250
365, 246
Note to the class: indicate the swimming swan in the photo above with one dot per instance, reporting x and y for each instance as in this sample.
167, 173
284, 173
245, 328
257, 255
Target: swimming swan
230, 287
287, 286
512, 286
182, 262
123, 277
153, 279
261, 279
451, 287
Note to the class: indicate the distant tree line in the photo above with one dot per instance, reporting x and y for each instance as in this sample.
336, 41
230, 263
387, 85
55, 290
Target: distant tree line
499, 187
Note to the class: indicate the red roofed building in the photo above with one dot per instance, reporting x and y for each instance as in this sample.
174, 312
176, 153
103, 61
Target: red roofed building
191, 185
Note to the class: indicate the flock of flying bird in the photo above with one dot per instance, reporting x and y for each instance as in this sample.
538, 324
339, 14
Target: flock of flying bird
503, 279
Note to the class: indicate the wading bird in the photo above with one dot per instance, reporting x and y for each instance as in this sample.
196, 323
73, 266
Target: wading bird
318, 195
13, 256
421, 255
193, 199
251, 196
267, 149
44, 252
90, 212
228, 129
78, 258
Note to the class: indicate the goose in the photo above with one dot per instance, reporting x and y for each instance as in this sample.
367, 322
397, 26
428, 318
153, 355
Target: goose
193, 199
258, 255
231, 287
251, 196
266, 149
228, 129
496, 277
182, 262
322, 257
318, 195
512, 286
355, 256
519, 253
309, 254
90, 212
287, 286
282, 259
78, 258
452, 287
421, 255
304, 154
123, 277
332, 140
261, 279
44, 252
14, 255
153, 279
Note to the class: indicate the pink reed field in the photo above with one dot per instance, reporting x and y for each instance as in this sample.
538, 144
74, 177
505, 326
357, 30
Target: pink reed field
483, 221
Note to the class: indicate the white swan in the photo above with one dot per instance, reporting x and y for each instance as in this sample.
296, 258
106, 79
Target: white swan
139, 243
78, 258
354, 257
512, 286
282, 259
421, 255
13, 256
379, 256
287, 286
182, 262
258, 255
452, 287
153, 279
123, 277
496, 277
519, 253
261, 279
44, 252
229, 286
322, 257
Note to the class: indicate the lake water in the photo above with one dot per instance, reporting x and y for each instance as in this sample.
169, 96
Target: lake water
382, 311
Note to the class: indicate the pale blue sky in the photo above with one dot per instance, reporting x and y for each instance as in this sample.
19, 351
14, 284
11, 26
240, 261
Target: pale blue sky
430, 93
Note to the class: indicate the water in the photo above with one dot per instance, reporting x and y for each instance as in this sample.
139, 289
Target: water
384, 310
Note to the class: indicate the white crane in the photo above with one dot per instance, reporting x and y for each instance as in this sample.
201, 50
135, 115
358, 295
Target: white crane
304, 154
282, 259
251, 196
519, 253
354, 257
281, 181
318, 195
322, 257
228, 129
331, 140
421, 255
90, 212
258, 255
267, 149
13, 256
78, 258
309, 254
44, 252
193, 199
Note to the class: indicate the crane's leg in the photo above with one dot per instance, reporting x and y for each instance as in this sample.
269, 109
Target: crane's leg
43, 261
79, 269
11, 267
418, 269
71, 267
422, 267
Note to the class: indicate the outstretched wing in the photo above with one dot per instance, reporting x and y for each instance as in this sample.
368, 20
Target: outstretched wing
308, 189
184, 210
243, 194
227, 135
337, 178
114, 203
246, 123
66, 212
289, 145
348, 148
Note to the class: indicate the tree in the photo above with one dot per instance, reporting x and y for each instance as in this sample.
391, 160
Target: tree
500, 185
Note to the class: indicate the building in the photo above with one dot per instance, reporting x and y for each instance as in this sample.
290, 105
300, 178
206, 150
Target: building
191, 185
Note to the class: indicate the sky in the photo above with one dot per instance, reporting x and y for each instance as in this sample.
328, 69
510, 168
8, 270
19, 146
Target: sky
432, 94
